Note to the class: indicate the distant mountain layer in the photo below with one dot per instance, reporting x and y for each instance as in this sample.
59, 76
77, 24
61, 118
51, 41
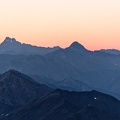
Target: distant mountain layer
64, 105
111, 51
13, 47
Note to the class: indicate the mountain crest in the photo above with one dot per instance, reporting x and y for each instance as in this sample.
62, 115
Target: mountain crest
13, 47
17, 88
77, 46
9, 41
11, 72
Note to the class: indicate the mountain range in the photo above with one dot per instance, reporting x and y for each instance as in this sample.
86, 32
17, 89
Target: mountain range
39, 83
13, 47
65, 67
111, 51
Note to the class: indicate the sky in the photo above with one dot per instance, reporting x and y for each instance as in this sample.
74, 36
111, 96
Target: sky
93, 23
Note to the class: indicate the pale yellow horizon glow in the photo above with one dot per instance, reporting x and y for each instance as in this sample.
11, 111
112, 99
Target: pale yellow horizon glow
93, 23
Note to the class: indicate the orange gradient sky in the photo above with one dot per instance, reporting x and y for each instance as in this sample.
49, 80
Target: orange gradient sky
93, 23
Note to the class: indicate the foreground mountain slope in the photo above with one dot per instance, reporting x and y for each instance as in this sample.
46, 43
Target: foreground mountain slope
17, 88
92, 113
13, 47
64, 105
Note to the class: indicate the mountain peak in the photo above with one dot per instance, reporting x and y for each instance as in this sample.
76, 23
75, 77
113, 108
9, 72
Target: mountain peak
77, 46
12, 71
13, 47
9, 41
18, 88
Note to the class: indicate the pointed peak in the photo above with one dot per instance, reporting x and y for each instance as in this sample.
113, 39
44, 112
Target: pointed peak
11, 72
77, 46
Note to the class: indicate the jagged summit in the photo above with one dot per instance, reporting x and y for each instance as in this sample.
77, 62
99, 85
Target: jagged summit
14, 47
77, 46
9, 41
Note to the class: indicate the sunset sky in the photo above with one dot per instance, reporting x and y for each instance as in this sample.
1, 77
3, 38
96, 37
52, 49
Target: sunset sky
93, 23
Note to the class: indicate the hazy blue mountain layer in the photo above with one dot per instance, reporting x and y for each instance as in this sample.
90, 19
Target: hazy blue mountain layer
13, 47
111, 51
72, 68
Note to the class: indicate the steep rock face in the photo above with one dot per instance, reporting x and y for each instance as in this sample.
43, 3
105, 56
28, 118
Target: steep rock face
14, 47
17, 88
64, 105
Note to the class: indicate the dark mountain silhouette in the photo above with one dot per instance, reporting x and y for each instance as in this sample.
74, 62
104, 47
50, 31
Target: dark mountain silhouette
13, 47
17, 88
64, 105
